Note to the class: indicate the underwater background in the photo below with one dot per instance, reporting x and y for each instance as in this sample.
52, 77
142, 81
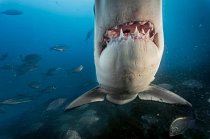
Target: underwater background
46, 61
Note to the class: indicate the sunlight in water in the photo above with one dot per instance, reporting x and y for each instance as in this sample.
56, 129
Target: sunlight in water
72, 7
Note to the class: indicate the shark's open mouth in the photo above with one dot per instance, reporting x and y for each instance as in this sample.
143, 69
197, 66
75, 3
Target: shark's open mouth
142, 30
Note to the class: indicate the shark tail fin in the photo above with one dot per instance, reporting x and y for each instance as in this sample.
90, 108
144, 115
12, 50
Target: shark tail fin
156, 93
93, 95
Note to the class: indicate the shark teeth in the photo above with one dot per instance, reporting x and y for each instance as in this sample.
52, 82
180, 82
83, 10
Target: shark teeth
115, 27
130, 23
136, 30
121, 33
153, 37
142, 22
142, 30
125, 36
147, 34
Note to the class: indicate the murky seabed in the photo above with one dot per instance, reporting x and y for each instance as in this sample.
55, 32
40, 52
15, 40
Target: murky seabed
138, 119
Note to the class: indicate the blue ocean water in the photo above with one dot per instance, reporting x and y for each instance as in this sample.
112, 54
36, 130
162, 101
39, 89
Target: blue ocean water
41, 26
44, 24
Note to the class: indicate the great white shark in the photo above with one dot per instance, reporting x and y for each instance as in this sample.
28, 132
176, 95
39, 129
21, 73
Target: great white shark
128, 47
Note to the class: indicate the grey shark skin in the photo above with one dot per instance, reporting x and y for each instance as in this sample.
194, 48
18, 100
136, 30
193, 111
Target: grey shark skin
128, 47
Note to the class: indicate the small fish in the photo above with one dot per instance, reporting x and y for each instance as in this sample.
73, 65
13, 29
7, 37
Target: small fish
12, 12
89, 34
48, 89
59, 48
70, 134
4, 56
52, 71
150, 119
24, 68
56, 104
180, 125
17, 100
35, 85
31, 59
89, 118
78, 69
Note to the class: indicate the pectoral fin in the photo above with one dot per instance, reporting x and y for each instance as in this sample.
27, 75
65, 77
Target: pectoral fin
93, 95
156, 93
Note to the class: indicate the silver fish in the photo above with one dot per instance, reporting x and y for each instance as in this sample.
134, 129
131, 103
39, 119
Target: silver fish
59, 48
78, 69
35, 85
52, 71
17, 100
48, 89
180, 125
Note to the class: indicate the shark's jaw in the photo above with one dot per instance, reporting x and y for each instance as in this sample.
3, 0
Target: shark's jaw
136, 30
128, 51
